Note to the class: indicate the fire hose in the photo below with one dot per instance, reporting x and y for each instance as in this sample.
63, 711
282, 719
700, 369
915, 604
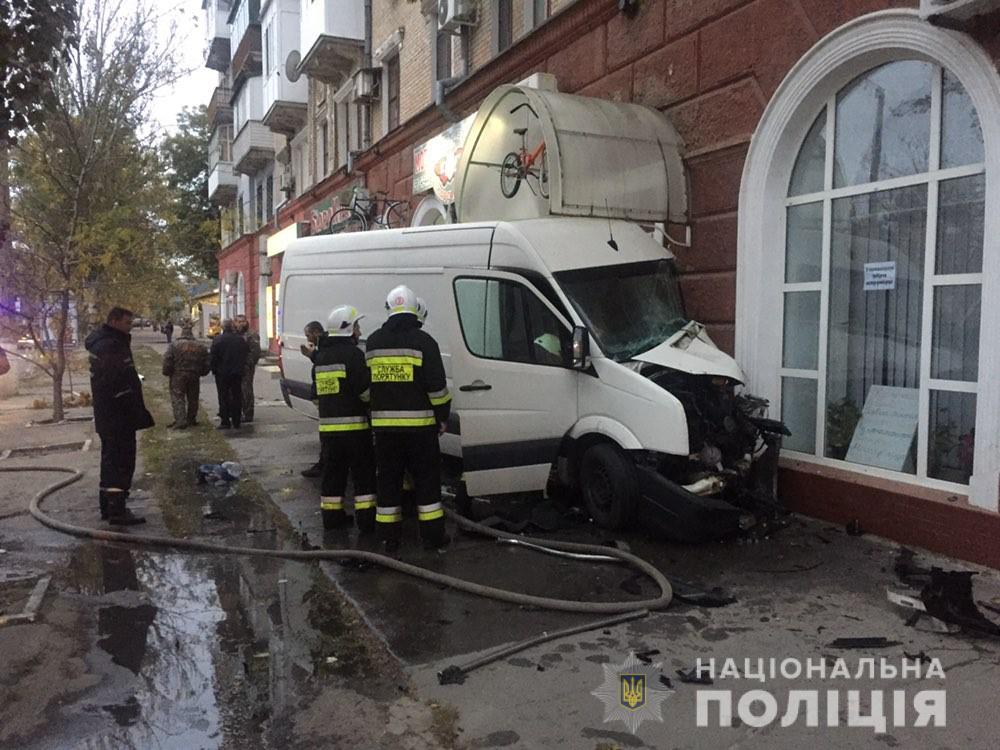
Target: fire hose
627, 610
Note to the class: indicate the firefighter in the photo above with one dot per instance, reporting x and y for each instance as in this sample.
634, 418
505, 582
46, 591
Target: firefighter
185, 363
342, 381
422, 311
410, 404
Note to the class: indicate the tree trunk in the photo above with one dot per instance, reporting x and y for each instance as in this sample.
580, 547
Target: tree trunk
59, 366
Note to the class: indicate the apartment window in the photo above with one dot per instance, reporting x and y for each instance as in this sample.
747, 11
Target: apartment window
270, 196
540, 11
392, 91
442, 59
883, 274
323, 152
505, 24
260, 204
268, 54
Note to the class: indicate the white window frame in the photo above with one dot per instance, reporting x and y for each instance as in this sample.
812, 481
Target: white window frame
831, 64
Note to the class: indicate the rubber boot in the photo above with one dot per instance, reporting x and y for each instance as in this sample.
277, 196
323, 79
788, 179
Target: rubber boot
433, 535
334, 516
104, 504
118, 514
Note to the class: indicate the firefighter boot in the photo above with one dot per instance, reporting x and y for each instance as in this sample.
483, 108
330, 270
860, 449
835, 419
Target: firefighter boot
334, 516
103, 500
118, 514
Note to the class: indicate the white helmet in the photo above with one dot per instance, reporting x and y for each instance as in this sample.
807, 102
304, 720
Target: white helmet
401, 300
422, 310
341, 321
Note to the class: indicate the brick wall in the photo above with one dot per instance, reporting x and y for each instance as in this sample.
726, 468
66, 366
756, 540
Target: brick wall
242, 256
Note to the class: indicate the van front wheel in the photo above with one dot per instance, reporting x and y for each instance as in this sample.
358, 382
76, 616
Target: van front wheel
608, 485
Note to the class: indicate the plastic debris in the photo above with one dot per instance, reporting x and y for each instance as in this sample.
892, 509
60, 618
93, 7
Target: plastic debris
227, 471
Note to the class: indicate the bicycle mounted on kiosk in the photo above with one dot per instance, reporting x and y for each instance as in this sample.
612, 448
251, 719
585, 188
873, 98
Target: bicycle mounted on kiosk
376, 211
531, 167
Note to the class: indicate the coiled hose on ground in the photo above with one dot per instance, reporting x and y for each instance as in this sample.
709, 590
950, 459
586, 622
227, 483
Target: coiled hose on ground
514, 597
629, 609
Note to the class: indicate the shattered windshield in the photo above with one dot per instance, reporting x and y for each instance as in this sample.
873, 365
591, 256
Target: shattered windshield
629, 308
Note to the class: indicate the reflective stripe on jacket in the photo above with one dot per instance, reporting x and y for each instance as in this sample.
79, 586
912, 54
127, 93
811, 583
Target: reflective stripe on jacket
341, 383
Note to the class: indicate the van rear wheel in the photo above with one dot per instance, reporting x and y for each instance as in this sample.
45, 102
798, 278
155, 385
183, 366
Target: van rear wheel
608, 485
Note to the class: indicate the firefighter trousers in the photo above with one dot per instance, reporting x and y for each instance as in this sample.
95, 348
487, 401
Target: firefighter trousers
348, 454
413, 449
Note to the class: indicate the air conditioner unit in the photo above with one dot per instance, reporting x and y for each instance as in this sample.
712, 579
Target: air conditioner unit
453, 14
956, 10
366, 83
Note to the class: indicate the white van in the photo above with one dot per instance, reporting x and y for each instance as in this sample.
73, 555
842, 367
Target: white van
570, 360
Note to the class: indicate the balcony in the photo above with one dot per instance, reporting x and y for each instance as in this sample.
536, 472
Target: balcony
253, 148
222, 183
220, 110
284, 101
332, 39
247, 57
217, 25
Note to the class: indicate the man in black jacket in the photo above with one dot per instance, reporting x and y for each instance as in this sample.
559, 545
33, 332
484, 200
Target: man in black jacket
119, 411
410, 405
314, 331
341, 382
228, 362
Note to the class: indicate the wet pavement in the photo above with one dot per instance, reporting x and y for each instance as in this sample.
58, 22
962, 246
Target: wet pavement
162, 650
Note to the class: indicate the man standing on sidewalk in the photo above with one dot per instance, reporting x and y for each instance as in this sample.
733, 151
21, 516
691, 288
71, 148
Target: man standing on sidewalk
185, 363
313, 331
253, 357
119, 412
168, 329
228, 361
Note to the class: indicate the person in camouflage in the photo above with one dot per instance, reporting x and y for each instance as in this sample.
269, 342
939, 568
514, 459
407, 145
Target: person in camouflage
243, 328
185, 363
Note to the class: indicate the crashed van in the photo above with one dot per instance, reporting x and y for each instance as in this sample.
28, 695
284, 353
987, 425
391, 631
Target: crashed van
572, 363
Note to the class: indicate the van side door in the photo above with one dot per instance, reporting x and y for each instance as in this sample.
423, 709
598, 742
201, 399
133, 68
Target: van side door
514, 390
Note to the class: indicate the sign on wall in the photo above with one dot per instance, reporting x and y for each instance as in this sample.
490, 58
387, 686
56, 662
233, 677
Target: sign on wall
435, 162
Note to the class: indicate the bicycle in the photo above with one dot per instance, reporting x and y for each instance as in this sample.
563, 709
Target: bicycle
369, 212
520, 166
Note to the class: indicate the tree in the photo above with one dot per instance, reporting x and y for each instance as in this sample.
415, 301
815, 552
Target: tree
87, 196
35, 39
194, 225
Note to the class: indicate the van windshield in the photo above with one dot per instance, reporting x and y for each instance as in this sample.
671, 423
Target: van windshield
629, 308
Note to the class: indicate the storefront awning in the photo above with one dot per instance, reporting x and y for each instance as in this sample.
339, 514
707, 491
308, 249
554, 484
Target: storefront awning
601, 159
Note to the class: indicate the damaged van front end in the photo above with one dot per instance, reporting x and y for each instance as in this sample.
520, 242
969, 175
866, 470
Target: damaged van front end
727, 481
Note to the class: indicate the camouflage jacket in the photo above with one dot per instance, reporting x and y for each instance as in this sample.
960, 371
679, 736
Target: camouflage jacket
186, 356
253, 342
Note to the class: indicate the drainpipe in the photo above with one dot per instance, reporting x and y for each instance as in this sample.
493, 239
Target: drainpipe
366, 117
440, 89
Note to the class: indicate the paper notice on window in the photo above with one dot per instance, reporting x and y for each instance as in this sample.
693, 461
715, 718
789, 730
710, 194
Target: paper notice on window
880, 276
885, 434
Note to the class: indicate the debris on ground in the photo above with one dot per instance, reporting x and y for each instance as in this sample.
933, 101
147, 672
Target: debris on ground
694, 677
863, 642
646, 657
921, 657
948, 597
227, 471
853, 528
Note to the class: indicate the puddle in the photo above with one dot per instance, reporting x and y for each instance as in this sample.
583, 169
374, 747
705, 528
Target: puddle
211, 651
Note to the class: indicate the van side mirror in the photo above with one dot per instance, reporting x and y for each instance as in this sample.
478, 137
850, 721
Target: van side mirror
581, 348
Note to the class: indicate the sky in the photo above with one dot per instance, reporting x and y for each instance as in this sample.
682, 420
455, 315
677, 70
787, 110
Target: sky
196, 87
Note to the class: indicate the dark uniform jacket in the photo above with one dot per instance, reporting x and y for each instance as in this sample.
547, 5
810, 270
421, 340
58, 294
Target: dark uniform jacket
408, 387
341, 380
186, 357
229, 355
114, 383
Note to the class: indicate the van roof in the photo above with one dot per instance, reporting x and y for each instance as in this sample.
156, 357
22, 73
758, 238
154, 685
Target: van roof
548, 244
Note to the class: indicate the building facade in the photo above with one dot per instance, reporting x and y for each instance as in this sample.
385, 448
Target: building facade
839, 156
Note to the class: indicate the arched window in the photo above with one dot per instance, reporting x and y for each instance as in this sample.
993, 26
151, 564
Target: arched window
882, 276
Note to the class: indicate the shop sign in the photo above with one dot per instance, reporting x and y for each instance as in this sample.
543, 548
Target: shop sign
321, 213
435, 162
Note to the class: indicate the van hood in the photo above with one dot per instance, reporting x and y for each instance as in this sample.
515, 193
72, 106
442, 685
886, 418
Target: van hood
691, 350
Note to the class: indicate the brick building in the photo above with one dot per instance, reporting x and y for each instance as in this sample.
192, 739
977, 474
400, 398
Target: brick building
839, 156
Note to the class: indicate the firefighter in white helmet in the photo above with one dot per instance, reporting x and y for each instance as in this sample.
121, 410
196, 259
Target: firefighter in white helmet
342, 381
410, 405
422, 311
